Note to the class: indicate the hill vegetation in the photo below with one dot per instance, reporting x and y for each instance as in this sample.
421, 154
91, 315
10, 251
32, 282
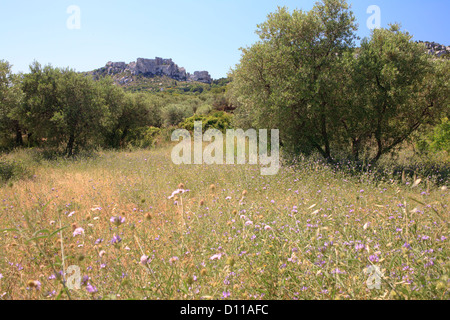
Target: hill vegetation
87, 182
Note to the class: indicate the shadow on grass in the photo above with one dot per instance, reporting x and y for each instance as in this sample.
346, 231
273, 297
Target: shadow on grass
435, 171
13, 170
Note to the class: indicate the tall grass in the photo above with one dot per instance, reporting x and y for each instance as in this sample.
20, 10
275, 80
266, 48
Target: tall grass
309, 232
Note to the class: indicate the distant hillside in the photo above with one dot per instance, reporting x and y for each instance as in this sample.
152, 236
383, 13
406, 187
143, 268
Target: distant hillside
436, 49
157, 70
163, 74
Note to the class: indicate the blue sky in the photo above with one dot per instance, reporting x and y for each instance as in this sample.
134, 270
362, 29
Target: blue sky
196, 34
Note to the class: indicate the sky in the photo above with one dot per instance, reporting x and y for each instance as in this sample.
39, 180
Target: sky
196, 34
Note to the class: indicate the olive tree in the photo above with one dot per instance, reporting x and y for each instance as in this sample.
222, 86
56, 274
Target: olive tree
290, 78
10, 99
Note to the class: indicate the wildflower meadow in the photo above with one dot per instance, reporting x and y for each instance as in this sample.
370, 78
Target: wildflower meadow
133, 225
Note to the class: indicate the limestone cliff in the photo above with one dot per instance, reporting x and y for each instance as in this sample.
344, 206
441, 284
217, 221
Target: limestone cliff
151, 68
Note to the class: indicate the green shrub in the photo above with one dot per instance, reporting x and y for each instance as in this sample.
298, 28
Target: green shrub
173, 114
218, 120
440, 140
144, 137
204, 109
12, 170
436, 140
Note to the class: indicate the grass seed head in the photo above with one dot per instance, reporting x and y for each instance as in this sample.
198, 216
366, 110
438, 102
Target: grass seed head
441, 286
230, 261
33, 284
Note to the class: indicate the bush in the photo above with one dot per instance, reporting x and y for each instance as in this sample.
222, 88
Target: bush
145, 137
173, 114
204, 109
12, 170
218, 120
437, 140
440, 140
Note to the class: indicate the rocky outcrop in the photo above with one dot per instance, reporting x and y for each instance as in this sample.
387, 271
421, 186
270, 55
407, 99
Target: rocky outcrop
115, 67
436, 49
151, 68
200, 76
159, 67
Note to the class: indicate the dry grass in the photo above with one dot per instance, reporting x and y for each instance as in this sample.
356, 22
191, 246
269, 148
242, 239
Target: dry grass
306, 233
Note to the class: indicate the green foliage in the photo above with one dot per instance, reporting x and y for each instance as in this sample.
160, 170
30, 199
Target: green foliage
438, 139
197, 88
134, 111
10, 99
306, 78
144, 137
222, 103
83, 111
441, 137
173, 114
13, 170
397, 88
217, 120
40, 101
62, 109
220, 83
290, 78
64, 113
204, 109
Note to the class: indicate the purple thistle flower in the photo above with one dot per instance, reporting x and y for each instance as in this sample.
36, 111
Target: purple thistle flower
144, 260
116, 239
91, 289
117, 220
173, 260
216, 256
78, 231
